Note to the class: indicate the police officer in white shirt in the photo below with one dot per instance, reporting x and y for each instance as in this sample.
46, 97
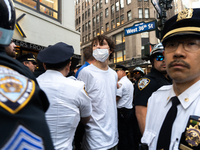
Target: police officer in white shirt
173, 112
124, 108
67, 97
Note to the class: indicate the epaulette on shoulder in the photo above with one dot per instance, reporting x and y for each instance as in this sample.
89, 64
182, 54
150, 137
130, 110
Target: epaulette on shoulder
164, 88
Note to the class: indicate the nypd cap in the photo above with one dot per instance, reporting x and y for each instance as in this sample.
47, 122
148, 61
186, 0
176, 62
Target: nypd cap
58, 53
187, 22
158, 48
27, 57
120, 67
138, 69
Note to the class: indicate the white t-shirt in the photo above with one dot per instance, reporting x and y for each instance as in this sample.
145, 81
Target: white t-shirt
68, 101
101, 86
125, 92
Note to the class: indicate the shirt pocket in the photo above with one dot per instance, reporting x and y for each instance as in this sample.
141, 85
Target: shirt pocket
148, 137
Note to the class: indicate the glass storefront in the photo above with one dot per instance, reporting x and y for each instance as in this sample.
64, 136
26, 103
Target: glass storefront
48, 7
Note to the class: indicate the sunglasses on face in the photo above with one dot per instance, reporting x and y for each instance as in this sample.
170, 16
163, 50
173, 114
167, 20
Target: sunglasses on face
159, 57
136, 73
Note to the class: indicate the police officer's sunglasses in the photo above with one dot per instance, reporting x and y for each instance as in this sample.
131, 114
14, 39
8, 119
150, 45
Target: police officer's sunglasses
159, 57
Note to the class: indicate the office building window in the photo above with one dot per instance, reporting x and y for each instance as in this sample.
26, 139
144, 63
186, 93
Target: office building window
121, 3
82, 17
112, 24
97, 19
79, 9
140, 12
88, 12
85, 14
50, 8
119, 56
107, 26
89, 24
86, 26
117, 21
101, 16
93, 9
128, 2
118, 38
101, 3
94, 21
129, 17
79, 20
83, 28
146, 12
86, 38
146, 0
112, 9
117, 6
97, 6
83, 39
98, 33
106, 1
122, 19
83, 6
79, 29
102, 30
106, 12
89, 36
94, 33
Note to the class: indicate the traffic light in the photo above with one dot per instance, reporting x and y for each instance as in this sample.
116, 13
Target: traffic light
145, 53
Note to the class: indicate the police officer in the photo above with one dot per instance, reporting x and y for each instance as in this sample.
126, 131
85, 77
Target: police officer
138, 72
68, 100
150, 83
124, 108
176, 125
28, 60
22, 102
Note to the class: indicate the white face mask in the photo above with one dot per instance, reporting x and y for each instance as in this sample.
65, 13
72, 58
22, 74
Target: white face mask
101, 54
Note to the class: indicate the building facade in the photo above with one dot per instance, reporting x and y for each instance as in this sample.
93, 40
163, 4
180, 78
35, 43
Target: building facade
111, 17
41, 23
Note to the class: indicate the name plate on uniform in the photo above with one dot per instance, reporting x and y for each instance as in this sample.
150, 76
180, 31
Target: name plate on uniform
190, 139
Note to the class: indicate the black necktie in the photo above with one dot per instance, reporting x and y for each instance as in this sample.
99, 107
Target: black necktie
164, 137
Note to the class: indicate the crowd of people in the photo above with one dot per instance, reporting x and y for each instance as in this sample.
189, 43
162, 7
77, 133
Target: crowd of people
99, 108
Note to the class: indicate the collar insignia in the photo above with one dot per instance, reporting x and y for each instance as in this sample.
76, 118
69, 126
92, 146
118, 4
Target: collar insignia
185, 14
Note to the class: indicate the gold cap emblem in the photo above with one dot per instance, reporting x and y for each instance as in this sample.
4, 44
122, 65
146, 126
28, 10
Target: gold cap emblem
185, 14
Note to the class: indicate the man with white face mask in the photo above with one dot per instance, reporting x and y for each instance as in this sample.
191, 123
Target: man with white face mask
101, 86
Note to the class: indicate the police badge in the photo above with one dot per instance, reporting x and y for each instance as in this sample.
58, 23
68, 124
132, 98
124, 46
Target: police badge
142, 83
190, 139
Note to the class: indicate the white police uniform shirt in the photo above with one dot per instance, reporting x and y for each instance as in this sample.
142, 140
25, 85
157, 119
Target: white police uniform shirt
68, 102
125, 92
158, 106
101, 85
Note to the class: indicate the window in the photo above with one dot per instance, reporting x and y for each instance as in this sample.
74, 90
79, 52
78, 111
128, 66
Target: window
106, 1
107, 26
50, 8
83, 28
79, 29
89, 36
86, 38
79, 9
106, 12
98, 32
146, 0
97, 18
94, 33
89, 24
117, 21
117, 6
76, 11
101, 16
88, 12
94, 21
118, 38
112, 9
128, 2
97, 6
82, 17
119, 56
102, 30
140, 12
93, 9
146, 11
122, 19
129, 17
121, 3
79, 20
101, 4
112, 24
86, 26
85, 14
83, 6
83, 40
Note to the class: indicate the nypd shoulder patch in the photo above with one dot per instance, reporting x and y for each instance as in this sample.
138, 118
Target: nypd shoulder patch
15, 90
142, 83
23, 139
